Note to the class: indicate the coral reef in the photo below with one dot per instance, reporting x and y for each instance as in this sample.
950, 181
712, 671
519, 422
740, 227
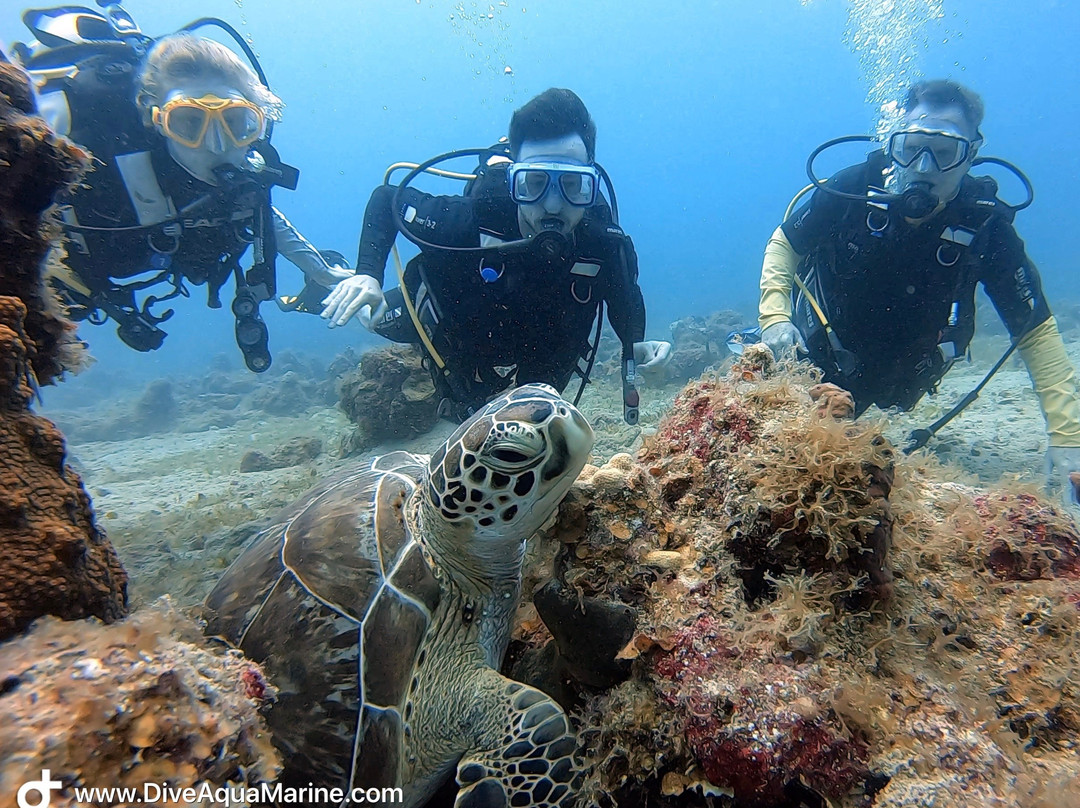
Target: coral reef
156, 410
53, 557
391, 396
699, 343
291, 394
819, 619
141, 701
214, 400
35, 164
345, 362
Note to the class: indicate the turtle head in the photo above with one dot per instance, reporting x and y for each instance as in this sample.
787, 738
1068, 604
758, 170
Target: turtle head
504, 471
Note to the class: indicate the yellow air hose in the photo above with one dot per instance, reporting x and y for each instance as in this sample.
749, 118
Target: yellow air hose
412, 311
798, 281
438, 172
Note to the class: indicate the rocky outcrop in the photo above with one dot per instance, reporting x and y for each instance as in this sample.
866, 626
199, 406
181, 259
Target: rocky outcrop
291, 453
701, 342
139, 703
390, 397
819, 619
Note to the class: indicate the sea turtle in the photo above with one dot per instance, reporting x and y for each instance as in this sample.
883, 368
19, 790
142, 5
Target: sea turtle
380, 607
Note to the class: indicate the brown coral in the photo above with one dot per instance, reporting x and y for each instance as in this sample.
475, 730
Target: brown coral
53, 558
35, 164
391, 396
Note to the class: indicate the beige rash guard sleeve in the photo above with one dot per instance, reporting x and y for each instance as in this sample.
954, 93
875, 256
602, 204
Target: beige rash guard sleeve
777, 277
1054, 380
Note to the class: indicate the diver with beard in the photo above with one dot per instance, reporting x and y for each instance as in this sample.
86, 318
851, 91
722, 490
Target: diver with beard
511, 275
884, 261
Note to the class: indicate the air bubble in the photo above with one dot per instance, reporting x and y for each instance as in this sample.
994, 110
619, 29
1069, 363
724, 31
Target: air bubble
889, 38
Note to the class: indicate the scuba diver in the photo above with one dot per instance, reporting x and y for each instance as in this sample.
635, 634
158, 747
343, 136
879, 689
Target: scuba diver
183, 169
884, 261
513, 274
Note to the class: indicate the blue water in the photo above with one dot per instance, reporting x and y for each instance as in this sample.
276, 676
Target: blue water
706, 112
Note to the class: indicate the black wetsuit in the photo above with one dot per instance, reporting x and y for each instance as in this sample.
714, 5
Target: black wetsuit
199, 231
894, 291
531, 324
194, 243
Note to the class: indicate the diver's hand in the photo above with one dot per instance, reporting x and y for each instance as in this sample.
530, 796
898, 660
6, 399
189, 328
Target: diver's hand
330, 276
1063, 473
782, 339
350, 296
652, 355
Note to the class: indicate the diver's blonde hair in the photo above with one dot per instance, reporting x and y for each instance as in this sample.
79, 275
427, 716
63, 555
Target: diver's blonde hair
182, 56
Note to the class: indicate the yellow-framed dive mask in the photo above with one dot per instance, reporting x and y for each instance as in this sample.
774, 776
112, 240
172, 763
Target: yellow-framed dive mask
187, 120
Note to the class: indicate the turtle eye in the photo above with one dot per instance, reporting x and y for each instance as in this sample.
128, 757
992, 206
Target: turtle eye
513, 453
511, 457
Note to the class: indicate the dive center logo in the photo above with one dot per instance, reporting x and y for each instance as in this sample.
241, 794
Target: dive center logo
44, 787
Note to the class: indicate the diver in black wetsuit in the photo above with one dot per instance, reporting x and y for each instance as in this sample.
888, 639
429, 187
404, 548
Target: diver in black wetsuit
500, 319
180, 188
887, 258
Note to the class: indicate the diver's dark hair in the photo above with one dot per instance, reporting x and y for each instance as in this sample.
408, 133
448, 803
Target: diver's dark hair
938, 93
553, 114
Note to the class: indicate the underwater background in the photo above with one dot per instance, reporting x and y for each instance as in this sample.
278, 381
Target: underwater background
959, 688
706, 112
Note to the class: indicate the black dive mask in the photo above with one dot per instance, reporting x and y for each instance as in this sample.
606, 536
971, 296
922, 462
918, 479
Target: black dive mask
918, 200
549, 244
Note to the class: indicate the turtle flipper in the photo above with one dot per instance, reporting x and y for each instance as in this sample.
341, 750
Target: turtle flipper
532, 762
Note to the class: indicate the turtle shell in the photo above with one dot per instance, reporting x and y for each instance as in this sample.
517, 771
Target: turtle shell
334, 602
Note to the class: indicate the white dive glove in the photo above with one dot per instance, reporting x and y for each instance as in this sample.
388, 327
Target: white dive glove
329, 276
1061, 462
652, 355
782, 339
349, 297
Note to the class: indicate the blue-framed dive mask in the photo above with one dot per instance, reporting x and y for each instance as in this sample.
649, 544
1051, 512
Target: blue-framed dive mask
529, 182
945, 149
